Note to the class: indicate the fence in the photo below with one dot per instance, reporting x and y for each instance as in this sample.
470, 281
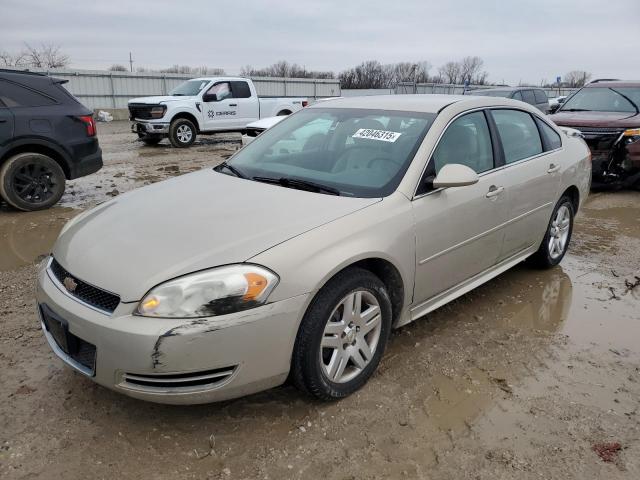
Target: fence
455, 89
101, 89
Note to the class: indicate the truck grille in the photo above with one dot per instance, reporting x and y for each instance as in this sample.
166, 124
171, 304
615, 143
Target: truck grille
598, 131
93, 296
140, 110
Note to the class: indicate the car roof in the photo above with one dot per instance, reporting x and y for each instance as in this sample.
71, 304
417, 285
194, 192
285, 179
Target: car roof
425, 103
28, 78
614, 83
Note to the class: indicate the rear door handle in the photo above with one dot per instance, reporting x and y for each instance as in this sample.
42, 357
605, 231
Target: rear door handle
494, 191
233, 104
553, 168
3, 120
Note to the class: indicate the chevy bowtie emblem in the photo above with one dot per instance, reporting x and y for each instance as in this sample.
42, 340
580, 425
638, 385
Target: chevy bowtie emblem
70, 284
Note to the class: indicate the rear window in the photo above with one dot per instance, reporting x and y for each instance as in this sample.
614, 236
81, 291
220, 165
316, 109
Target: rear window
518, 133
551, 137
240, 90
541, 97
14, 95
491, 93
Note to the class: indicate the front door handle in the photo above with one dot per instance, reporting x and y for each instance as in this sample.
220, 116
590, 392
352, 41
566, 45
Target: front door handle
553, 168
3, 120
494, 191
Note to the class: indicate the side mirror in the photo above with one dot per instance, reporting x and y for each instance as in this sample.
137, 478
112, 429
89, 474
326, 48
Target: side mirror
455, 175
210, 97
554, 108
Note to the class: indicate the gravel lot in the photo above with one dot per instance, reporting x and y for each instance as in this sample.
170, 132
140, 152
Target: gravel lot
534, 375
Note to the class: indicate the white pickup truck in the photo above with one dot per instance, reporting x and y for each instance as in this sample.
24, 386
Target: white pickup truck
204, 106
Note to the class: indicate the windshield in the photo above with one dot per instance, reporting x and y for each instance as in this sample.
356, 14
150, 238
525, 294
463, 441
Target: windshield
601, 99
492, 93
189, 88
358, 152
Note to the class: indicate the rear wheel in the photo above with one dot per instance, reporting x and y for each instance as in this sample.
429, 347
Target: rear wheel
31, 181
342, 336
150, 139
556, 239
182, 133
283, 113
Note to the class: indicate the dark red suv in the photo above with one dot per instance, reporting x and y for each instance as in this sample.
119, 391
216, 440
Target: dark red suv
608, 115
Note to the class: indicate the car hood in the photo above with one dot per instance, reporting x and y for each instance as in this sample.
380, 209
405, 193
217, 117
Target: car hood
596, 119
158, 99
189, 223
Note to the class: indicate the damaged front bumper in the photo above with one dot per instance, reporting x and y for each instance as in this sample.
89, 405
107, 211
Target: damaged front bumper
615, 157
174, 361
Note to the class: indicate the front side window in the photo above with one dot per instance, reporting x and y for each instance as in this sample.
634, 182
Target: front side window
604, 99
222, 90
466, 141
517, 96
14, 95
358, 152
518, 134
541, 97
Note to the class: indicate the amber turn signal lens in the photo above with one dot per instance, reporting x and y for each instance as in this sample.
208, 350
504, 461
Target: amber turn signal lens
632, 132
255, 285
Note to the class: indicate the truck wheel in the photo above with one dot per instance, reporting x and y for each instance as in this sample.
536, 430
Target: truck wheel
182, 133
31, 181
283, 113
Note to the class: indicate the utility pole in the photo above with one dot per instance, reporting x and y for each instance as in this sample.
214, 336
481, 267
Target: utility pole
130, 62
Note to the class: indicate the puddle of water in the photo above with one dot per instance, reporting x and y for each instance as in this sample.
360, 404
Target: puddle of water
27, 236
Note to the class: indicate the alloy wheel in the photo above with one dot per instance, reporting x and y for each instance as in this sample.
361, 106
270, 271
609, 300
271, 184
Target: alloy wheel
34, 183
184, 133
350, 336
559, 232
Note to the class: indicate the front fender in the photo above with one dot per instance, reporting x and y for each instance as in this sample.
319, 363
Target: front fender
384, 230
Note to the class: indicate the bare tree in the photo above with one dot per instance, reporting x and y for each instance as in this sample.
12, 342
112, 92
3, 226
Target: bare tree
117, 68
450, 72
8, 59
45, 56
577, 78
283, 69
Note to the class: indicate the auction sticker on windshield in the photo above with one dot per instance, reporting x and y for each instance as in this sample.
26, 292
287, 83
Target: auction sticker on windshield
382, 135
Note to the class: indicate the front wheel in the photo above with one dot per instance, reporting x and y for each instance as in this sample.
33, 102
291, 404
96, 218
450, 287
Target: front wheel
557, 237
31, 181
342, 336
182, 133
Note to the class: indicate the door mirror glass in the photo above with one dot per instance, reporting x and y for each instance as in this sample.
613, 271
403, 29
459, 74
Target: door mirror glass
209, 97
554, 108
455, 175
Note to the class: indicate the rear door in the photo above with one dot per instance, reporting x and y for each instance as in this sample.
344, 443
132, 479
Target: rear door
458, 230
529, 97
247, 105
542, 101
531, 177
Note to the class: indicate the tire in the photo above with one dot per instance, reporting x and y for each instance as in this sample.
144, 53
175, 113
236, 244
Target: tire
551, 254
31, 181
331, 371
283, 113
182, 133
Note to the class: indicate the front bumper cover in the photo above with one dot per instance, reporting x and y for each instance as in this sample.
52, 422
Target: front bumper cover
148, 128
179, 361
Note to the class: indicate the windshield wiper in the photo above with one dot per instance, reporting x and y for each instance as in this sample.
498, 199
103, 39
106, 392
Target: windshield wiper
298, 184
575, 110
232, 169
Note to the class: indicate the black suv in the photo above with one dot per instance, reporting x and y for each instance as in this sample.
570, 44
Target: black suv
530, 95
46, 136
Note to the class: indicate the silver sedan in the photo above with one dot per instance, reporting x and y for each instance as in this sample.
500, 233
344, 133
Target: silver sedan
300, 254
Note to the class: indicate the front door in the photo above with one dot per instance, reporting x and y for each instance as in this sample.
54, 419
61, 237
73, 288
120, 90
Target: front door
459, 230
221, 113
6, 124
248, 106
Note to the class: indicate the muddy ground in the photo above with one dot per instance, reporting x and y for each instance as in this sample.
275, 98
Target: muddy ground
534, 375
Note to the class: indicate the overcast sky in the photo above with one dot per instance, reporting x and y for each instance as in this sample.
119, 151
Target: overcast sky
518, 40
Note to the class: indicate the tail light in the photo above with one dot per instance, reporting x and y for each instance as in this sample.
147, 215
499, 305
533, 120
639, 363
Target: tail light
89, 123
305, 103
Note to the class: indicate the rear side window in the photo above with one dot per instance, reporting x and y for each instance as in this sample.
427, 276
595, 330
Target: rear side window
518, 133
240, 90
527, 96
551, 138
467, 141
14, 95
541, 97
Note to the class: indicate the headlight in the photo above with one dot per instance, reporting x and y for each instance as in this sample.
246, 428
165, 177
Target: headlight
158, 112
211, 292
